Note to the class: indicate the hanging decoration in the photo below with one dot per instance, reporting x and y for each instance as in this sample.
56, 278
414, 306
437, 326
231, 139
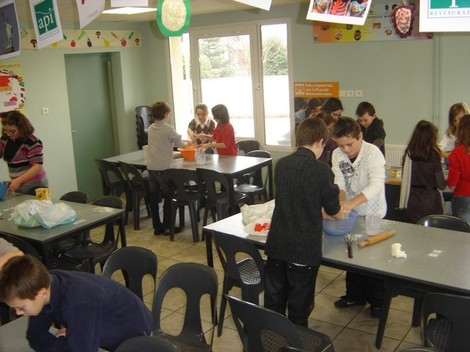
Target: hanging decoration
173, 17
402, 19
262, 4
87, 39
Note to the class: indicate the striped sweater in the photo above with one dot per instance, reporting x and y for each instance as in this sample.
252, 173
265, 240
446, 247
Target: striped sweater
20, 156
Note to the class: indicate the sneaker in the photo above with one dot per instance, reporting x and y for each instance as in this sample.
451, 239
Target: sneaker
345, 302
375, 311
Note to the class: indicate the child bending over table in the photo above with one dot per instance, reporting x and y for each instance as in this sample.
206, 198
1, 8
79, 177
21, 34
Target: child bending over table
359, 169
93, 311
304, 185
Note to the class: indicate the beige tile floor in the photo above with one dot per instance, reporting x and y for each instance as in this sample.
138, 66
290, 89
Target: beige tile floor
351, 329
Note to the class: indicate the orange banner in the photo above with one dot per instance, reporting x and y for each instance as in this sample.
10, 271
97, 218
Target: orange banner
316, 89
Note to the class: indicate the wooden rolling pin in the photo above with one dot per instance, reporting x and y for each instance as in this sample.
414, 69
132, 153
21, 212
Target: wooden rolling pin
377, 238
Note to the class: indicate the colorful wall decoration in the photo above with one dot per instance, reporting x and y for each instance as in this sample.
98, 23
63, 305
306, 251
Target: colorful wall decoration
378, 27
12, 92
80, 39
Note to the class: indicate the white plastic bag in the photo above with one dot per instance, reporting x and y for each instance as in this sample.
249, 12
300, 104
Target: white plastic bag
35, 213
257, 218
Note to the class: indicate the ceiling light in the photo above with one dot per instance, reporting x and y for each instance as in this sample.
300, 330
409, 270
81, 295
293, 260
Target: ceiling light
128, 10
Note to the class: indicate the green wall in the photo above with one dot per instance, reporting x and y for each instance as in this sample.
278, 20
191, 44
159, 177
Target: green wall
405, 80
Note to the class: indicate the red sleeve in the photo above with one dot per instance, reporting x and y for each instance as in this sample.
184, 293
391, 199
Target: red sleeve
454, 169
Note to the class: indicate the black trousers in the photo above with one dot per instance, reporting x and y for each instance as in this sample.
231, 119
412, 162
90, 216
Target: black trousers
290, 286
159, 188
364, 288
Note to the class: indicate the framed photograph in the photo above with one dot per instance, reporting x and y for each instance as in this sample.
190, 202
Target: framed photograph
339, 11
9, 30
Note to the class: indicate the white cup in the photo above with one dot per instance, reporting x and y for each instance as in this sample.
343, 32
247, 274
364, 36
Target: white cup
146, 152
372, 225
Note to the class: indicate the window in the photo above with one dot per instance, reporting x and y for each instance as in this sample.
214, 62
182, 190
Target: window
244, 67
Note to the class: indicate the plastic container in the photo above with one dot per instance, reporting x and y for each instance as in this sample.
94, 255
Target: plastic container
188, 152
3, 189
336, 227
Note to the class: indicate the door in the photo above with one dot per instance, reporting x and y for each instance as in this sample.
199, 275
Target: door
91, 118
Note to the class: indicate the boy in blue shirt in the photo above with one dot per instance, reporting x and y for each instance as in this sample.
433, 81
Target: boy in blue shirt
93, 311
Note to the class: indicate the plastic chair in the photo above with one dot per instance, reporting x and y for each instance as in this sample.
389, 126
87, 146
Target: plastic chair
195, 280
139, 188
134, 263
253, 182
440, 221
22, 245
113, 182
261, 329
146, 344
144, 118
247, 273
89, 253
75, 196
182, 196
445, 222
247, 145
448, 331
220, 198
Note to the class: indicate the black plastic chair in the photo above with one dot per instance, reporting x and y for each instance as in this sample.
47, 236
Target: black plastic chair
263, 330
134, 263
247, 273
195, 280
253, 183
144, 118
247, 145
89, 253
146, 344
448, 330
138, 188
445, 222
75, 196
113, 182
220, 198
182, 195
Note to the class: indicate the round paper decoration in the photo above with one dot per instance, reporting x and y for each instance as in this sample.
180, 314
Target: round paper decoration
173, 17
402, 18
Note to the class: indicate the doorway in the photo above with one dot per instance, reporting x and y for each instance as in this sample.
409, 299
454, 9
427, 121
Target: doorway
93, 125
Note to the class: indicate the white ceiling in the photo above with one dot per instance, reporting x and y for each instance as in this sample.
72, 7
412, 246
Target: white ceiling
68, 9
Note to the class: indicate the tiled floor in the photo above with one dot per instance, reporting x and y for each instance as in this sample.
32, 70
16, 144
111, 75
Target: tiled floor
351, 329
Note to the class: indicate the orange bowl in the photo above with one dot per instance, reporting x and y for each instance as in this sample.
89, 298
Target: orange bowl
188, 152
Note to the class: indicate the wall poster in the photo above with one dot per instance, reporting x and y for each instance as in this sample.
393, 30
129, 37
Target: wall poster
12, 92
378, 27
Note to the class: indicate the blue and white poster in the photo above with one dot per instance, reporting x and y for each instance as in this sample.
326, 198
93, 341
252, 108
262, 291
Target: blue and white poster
46, 22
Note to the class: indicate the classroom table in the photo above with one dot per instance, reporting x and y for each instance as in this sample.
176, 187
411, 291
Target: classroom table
136, 158
231, 166
13, 336
437, 259
45, 240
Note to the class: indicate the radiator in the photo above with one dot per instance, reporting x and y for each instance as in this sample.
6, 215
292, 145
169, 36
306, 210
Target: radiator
394, 154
